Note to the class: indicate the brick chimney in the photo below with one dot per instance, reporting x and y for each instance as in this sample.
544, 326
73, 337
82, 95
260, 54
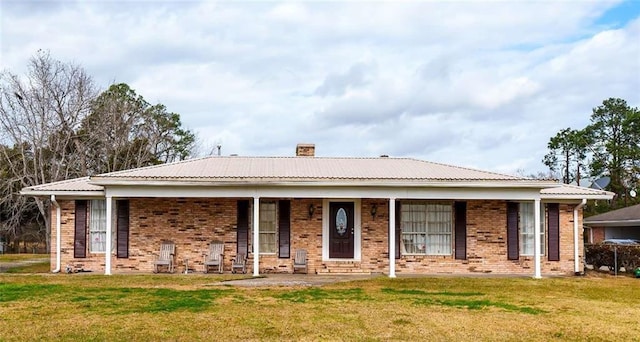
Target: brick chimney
305, 150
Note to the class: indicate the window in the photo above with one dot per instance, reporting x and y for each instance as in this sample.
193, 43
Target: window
268, 228
97, 226
426, 228
526, 224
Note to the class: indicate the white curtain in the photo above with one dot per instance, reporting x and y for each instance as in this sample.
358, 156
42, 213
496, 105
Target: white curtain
426, 228
414, 227
526, 225
98, 225
268, 227
439, 229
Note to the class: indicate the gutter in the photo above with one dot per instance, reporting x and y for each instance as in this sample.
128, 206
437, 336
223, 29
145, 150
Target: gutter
62, 193
576, 264
58, 249
321, 182
608, 223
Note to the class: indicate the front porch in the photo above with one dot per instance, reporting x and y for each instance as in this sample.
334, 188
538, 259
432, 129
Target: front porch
300, 223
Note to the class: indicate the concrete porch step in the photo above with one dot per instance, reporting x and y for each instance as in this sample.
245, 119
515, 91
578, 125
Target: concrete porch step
341, 268
328, 271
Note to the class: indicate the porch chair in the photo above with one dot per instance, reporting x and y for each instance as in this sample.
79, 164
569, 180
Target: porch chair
215, 257
166, 256
300, 261
239, 263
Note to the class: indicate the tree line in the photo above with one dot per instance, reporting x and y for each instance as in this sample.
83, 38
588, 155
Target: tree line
55, 124
608, 147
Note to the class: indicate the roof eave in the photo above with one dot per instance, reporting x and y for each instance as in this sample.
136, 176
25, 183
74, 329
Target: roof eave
79, 193
607, 223
576, 196
103, 181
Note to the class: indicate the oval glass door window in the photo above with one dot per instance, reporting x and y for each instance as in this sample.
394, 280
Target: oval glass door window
341, 221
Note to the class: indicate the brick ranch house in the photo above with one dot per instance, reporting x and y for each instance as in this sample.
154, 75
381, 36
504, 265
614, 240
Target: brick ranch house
352, 215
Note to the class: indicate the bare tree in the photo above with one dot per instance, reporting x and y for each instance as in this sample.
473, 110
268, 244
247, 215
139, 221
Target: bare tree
40, 114
55, 126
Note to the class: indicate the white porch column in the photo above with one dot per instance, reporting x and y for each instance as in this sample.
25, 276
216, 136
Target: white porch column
58, 238
536, 238
107, 251
392, 237
576, 247
256, 236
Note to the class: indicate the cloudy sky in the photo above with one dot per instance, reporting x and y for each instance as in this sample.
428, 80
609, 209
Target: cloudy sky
478, 84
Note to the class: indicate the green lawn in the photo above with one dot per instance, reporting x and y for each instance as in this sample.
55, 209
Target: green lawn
21, 257
33, 263
190, 307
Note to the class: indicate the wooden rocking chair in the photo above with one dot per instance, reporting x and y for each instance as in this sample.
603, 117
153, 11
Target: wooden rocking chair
300, 261
166, 256
239, 263
215, 258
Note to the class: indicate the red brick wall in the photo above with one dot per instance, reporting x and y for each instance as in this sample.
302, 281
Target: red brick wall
486, 245
598, 234
192, 223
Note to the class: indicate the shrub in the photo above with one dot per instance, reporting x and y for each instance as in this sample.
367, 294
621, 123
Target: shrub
601, 254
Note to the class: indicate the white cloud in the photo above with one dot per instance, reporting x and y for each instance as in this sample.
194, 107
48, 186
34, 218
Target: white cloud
481, 84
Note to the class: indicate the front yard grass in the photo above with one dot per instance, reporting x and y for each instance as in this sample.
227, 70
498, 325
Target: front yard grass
21, 257
191, 307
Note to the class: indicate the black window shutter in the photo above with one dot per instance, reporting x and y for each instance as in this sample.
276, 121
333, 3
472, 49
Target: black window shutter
553, 225
461, 230
80, 232
513, 252
284, 228
122, 229
243, 227
398, 231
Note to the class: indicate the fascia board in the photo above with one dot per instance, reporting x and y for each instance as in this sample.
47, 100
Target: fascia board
324, 192
575, 197
324, 183
610, 223
62, 193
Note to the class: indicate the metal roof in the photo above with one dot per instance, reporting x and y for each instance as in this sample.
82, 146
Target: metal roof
383, 171
615, 217
74, 187
77, 184
274, 169
572, 191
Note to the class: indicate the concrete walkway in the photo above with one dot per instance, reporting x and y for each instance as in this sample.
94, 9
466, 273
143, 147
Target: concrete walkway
270, 280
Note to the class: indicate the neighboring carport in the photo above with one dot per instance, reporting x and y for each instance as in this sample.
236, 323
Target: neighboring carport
616, 224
